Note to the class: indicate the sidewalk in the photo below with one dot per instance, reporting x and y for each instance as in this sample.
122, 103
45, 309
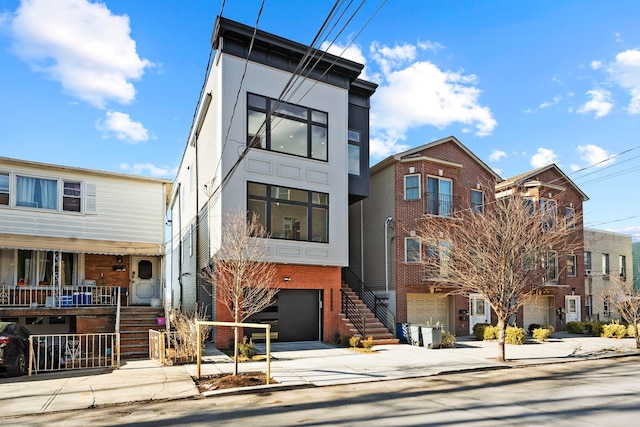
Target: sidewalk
293, 365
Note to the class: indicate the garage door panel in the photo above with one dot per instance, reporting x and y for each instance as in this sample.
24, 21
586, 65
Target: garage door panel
428, 308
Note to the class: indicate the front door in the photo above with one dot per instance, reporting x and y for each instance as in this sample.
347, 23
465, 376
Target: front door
145, 280
572, 309
479, 311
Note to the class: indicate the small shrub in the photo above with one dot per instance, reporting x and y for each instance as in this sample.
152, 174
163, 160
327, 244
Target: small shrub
632, 330
478, 330
491, 332
367, 344
542, 334
354, 342
344, 341
246, 348
448, 339
515, 335
533, 327
614, 330
593, 329
576, 327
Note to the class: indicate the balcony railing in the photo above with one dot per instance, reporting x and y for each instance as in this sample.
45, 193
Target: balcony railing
53, 297
441, 204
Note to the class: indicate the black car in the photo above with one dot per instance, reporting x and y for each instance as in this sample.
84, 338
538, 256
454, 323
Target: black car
14, 348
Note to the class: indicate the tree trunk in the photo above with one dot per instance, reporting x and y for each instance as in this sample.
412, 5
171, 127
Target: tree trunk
637, 334
501, 338
235, 350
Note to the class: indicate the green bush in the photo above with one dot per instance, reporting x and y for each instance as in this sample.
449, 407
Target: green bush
514, 335
632, 330
448, 339
246, 348
491, 332
593, 329
354, 342
367, 344
614, 330
478, 330
575, 327
543, 332
344, 341
532, 327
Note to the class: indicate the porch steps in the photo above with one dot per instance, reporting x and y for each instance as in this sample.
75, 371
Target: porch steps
374, 328
135, 323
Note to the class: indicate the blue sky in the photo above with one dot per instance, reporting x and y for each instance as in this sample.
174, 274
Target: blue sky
113, 85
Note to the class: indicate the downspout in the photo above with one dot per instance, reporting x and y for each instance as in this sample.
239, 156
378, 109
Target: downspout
387, 223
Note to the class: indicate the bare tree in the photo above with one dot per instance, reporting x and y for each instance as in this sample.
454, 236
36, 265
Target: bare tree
504, 253
624, 299
241, 271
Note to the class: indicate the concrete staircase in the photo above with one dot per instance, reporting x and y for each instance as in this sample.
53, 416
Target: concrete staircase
374, 328
135, 323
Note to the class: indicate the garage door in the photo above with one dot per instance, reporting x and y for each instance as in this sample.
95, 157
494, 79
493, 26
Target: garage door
295, 316
536, 310
428, 308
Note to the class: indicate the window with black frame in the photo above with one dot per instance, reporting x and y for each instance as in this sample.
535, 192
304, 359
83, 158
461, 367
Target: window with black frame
289, 213
286, 128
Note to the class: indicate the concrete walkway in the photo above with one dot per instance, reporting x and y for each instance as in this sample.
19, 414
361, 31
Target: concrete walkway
301, 364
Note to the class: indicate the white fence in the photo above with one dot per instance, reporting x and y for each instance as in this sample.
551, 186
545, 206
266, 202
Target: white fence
73, 351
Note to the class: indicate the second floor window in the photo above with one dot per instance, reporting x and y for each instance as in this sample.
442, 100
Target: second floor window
550, 266
412, 250
477, 201
354, 152
605, 265
570, 218
289, 213
549, 211
571, 266
286, 128
439, 196
37, 193
622, 266
412, 187
71, 196
587, 261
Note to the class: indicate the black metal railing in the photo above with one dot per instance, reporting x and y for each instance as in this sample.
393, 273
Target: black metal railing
378, 307
441, 204
354, 315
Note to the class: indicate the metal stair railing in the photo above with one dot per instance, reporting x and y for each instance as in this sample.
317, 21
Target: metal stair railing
355, 316
379, 308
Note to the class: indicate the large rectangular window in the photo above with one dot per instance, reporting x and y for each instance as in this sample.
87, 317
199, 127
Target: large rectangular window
439, 260
4, 189
549, 211
439, 196
354, 152
289, 213
286, 128
412, 187
37, 193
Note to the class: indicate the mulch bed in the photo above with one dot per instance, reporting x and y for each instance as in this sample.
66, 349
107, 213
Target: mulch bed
225, 381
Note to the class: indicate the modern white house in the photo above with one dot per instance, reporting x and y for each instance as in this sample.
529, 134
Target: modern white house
282, 130
71, 239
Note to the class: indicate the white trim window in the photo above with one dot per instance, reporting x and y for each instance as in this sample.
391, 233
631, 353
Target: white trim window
622, 266
4, 189
412, 250
549, 211
72, 196
412, 187
606, 268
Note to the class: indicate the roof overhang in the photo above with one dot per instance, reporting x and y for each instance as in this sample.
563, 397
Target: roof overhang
106, 247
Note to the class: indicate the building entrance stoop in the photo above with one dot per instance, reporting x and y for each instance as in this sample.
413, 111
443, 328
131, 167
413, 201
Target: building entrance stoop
374, 328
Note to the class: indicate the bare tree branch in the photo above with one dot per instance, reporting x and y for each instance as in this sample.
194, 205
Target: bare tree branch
624, 299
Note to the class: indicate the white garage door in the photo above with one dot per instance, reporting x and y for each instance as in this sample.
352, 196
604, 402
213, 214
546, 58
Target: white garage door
536, 310
428, 308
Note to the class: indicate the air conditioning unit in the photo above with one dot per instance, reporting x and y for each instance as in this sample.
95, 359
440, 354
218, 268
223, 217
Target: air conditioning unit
587, 273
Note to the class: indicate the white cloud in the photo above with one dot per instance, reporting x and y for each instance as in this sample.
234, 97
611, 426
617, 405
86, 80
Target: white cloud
123, 127
596, 65
414, 93
593, 155
625, 72
543, 157
148, 169
496, 155
351, 52
80, 44
546, 104
600, 103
